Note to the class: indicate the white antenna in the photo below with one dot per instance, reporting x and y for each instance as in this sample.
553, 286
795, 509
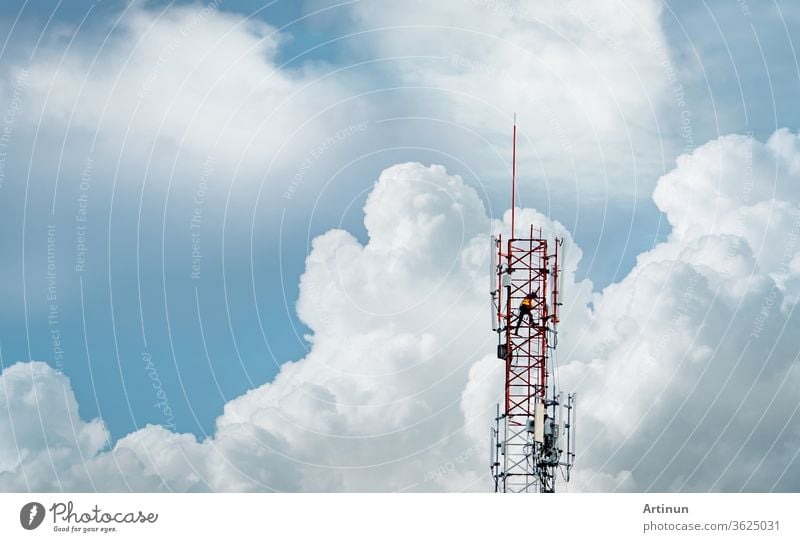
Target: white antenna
560, 414
572, 420
538, 422
491, 447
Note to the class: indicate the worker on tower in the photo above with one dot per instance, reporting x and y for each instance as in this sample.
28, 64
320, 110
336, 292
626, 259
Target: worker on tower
526, 308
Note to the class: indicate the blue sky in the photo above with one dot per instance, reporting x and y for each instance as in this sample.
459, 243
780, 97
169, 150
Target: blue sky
241, 358
213, 338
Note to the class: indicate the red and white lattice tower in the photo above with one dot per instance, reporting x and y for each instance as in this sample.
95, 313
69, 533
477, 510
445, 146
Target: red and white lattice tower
533, 438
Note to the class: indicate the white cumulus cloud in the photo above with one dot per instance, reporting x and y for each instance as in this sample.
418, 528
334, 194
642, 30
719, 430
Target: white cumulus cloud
593, 82
180, 84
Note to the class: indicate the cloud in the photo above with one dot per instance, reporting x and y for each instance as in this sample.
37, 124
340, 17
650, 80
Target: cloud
396, 325
151, 97
183, 83
592, 82
43, 436
690, 386
685, 369
181, 122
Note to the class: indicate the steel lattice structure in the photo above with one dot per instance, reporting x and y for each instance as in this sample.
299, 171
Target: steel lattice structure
533, 437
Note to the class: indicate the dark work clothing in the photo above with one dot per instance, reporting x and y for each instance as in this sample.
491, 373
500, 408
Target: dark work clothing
522, 313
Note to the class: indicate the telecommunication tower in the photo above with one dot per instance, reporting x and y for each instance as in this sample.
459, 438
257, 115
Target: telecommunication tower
533, 439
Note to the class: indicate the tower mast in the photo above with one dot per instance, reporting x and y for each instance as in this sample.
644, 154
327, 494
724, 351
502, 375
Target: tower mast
533, 438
